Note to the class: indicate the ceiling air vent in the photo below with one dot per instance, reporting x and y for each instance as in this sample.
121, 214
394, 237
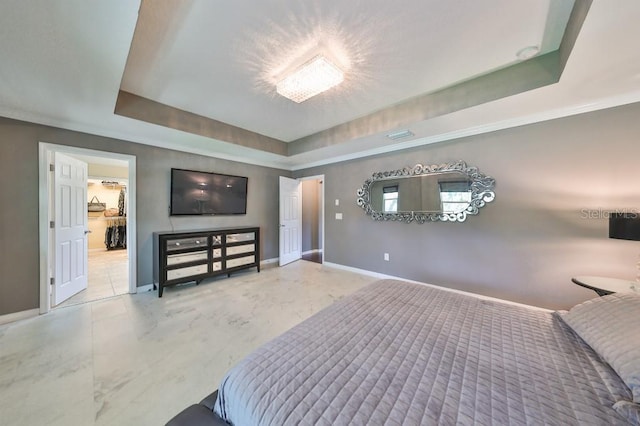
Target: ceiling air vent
401, 134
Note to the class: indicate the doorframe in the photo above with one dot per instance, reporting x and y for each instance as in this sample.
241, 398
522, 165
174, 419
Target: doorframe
322, 216
45, 156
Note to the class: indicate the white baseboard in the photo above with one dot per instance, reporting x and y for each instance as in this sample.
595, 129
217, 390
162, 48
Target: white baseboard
453, 290
269, 261
364, 271
17, 316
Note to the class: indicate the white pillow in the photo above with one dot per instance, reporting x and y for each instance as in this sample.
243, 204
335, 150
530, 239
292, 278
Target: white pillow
611, 326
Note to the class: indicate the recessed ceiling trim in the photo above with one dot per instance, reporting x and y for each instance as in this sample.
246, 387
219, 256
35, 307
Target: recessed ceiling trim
524, 76
527, 75
143, 109
574, 25
613, 102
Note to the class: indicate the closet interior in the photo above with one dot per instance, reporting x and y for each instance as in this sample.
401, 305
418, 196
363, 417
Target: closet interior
108, 219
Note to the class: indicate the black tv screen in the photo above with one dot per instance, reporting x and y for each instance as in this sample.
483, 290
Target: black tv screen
203, 193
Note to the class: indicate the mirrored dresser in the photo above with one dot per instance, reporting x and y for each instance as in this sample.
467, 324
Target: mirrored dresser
181, 257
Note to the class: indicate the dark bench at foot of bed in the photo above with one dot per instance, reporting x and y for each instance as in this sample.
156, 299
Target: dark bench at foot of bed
199, 414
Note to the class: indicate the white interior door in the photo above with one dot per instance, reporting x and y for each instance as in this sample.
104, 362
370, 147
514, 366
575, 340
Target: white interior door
290, 220
70, 227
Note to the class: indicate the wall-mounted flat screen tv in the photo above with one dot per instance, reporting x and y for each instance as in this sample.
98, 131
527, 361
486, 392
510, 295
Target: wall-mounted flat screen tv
203, 193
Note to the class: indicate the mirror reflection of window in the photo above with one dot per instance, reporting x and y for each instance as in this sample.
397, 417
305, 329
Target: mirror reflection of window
390, 199
455, 196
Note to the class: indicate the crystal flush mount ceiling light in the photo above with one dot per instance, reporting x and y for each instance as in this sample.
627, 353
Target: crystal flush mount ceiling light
314, 77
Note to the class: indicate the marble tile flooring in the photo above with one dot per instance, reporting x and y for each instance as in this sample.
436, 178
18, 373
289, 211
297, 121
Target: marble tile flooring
138, 359
108, 276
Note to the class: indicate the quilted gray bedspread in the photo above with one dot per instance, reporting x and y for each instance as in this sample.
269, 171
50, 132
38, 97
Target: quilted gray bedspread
397, 353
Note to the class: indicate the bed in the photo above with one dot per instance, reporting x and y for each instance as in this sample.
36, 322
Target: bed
398, 353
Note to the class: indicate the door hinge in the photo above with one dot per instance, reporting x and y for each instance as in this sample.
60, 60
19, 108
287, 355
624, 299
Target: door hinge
52, 281
52, 224
52, 168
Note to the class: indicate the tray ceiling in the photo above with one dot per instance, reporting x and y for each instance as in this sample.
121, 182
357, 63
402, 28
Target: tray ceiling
200, 76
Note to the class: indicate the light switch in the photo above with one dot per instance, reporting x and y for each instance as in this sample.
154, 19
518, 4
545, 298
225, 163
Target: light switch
338, 216
337, 202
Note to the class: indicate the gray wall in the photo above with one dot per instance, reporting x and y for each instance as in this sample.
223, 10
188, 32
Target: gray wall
19, 262
555, 182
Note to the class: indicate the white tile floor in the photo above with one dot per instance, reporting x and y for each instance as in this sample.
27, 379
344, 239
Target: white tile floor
108, 276
138, 360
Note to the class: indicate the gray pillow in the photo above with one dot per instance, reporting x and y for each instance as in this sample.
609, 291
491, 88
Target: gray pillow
611, 326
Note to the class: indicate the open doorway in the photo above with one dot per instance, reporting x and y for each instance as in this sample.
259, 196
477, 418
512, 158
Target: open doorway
109, 229
313, 218
108, 260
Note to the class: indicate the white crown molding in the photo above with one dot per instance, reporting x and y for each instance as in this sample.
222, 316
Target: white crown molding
485, 128
289, 163
114, 134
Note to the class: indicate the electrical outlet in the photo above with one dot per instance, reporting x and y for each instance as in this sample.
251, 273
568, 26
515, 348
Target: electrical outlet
338, 216
386, 257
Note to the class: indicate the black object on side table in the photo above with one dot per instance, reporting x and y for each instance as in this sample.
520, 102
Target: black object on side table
603, 286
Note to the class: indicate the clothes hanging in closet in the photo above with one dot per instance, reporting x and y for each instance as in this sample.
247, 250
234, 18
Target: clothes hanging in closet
122, 202
115, 236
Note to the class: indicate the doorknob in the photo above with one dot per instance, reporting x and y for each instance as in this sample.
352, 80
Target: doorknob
282, 226
87, 232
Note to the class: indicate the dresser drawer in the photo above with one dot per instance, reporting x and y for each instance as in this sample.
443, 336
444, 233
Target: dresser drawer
232, 263
245, 236
186, 243
190, 271
176, 259
246, 248
216, 266
216, 240
216, 253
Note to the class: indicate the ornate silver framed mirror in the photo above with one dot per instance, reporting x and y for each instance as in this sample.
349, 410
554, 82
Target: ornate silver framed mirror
444, 192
